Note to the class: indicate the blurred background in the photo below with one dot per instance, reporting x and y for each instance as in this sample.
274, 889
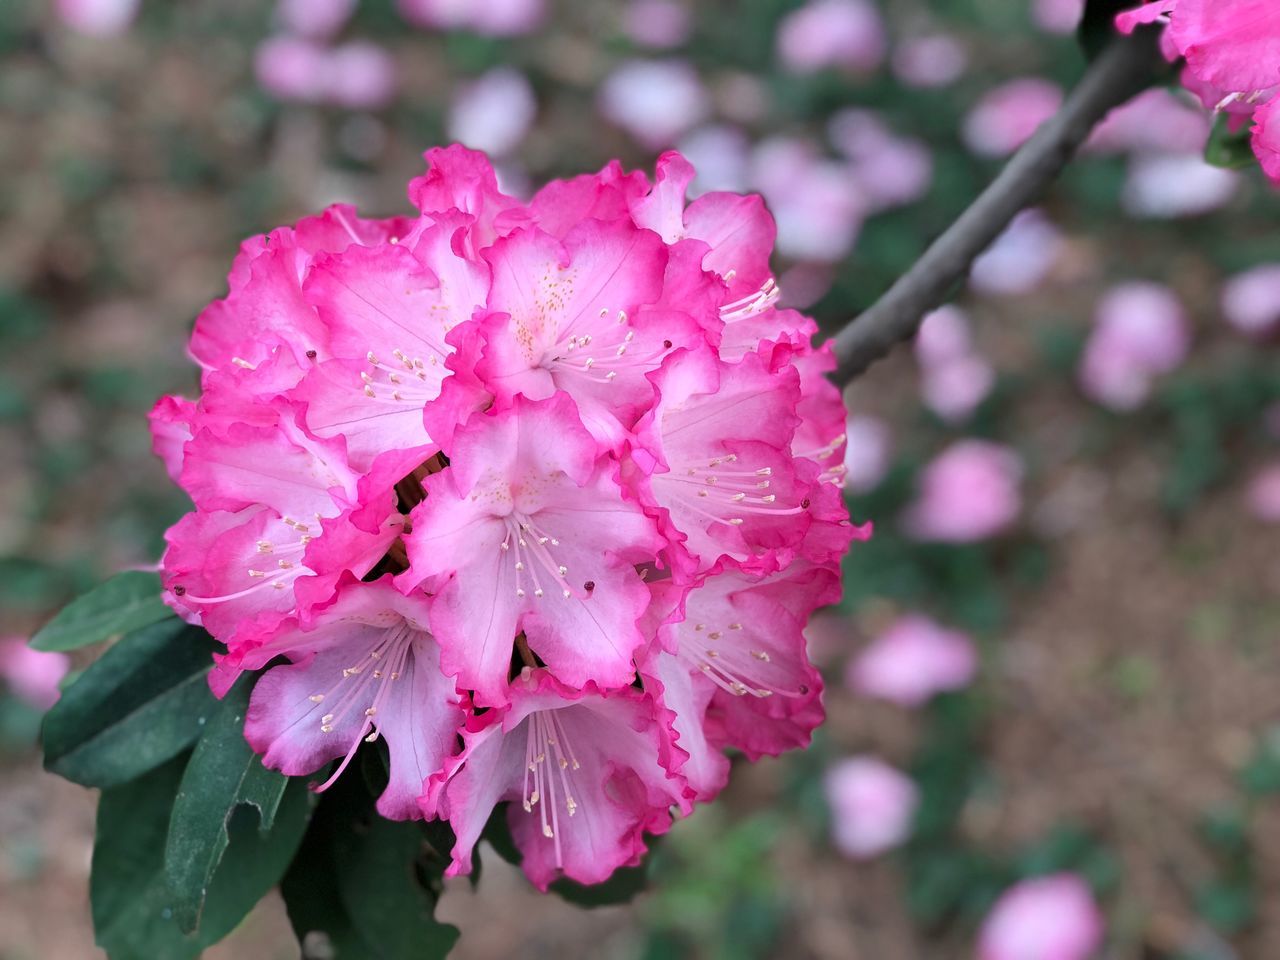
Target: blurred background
1053, 684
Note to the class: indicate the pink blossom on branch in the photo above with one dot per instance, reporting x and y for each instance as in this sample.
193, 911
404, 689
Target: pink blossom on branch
542, 495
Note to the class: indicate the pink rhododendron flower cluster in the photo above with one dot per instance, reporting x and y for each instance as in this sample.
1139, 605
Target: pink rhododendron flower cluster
1232, 54
911, 661
540, 494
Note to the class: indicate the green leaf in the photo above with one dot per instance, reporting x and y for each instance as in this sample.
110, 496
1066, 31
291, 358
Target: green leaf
125, 602
224, 778
142, 703
365, 887
1230, 149
133, 913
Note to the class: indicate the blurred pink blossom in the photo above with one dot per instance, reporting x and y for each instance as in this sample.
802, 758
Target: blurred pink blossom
98, 18
1140, 331
911, 661
1264, 494
872, 806
318, 19
1251, 300
927, 62
890, 169
816, 202
719, 154
659, 24
291, 68
846, 34
491, 17
955, 379
969, 492
654, 100
1057, 16
1155, 121
362, 75
1047, 918
867, 452
1176, 185
32, 675
1006, 117
1020, 259
493, 113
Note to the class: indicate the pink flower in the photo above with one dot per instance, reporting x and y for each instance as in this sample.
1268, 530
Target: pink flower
955, 378
497, 18
1006, 117
1021, 258
872, 806
361, 76
818, 204
1047, 918
911, 661
1176, 185
98, 18
494, 112
890, 170
1155, 121
1251, 300
1266, 138
968, 492
577, 435
867, 452
660, 24
845, 34
1057, 16
1140, 332
654, 100
33, 675
291, 68
317, 19
930, 61
1264, 494
720, 154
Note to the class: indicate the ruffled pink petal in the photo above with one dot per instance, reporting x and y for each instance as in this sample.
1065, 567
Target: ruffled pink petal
687, 695
562, 204
463, 180
1231, 44
1130, 20
1266, 137
170, 421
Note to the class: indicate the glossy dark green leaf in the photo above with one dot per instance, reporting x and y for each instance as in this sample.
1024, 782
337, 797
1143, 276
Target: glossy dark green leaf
143, 702
1232, 149
364, 888
125, 602
133, 913
223, 777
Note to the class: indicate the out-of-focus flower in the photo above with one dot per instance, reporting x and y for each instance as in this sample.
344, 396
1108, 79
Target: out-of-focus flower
98, 18
359, 75
719, 153
1006, 117
32, 675
928, 62
318, 19
817, 203
1251, 300
1155, 121
1047, 918
872, 806
1140, 331
1057, 16
654, 100
867, 452
498, 18
845, 34
955, 379
969, 492
362, 75
291, 68
1264, 494
1176, 185
890, 170
494, 112
659, 24
911, 661
1021, 257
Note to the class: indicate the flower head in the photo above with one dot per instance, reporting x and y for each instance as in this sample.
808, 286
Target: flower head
559, 479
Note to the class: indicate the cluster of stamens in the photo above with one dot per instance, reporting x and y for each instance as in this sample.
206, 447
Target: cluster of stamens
549, 759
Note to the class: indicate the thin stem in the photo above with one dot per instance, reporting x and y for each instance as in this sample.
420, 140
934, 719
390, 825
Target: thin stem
1126, 67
